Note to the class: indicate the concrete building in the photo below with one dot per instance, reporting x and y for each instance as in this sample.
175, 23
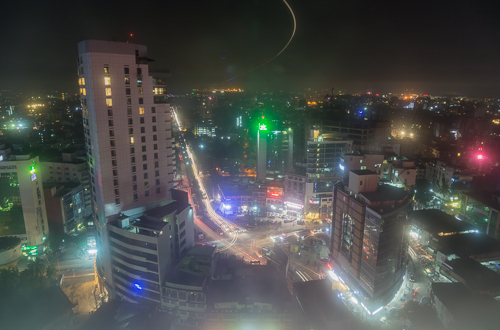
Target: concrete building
144, 248
65, 205
22, 204
324, 154
69, 168
127, 125
367, 232
438, 173
274, 152
460, 309
481, 210
208, 291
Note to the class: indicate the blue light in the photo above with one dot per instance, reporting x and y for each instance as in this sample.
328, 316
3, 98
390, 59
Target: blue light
138, 286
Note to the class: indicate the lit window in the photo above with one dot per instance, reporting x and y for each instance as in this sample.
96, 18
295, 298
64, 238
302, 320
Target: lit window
109, 102
127, 80
139, 90
107, 81
81, 81
141, 111
108, 91
83, 91
106, 69
131, 140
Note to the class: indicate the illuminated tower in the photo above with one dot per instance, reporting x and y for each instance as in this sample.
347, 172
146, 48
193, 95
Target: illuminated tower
261, 152
127, 126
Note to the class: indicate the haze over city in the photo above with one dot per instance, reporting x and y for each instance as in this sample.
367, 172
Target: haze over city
277, 164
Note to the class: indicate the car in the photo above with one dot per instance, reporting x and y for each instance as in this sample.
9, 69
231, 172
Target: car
412, 278
425, 301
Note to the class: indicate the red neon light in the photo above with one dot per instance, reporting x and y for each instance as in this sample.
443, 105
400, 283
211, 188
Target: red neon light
329, 266
275, 194
415, 292
479, 156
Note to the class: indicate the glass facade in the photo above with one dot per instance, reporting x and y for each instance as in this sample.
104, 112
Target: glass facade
11, 211
382, 257
323, 159
347, 236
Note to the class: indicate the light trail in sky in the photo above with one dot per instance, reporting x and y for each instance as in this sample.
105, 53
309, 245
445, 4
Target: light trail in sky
281, 51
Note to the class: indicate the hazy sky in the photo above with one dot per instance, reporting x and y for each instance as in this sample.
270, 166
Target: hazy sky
354, 46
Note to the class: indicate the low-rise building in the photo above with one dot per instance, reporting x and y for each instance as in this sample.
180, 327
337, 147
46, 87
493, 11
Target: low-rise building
146, 246
460, 309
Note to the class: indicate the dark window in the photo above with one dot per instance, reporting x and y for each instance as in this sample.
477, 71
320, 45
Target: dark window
132, 160
145, 176
143, 139
157, 173
135, 197
141, 100
144, 158
153, 119
112, 143
130, 121
110, 112
153, 110
114, 163
134, 178
139, 71
146, 184
133, 169
110, 123
154, 128
156, 155
131, 131
129, 101
129, 111
132, 150
155, 146
144, 166
157, 182
117, 201
113, 153
143, 129
127, 91
134, 187
115, 172
143, 148
142, 120
155, 137
146, 193
158, 190
157, 165
126, 70
111, 133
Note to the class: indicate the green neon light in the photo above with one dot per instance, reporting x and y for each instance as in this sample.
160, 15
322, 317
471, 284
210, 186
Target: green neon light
262, 127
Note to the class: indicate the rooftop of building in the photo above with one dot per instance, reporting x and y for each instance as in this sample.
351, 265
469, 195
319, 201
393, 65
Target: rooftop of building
120, 315
62, 188
194, 267
436, 221
363, 172
319, 303
9, 242
44, 308
231, 190
385, 193
474, 245
247, 284
485, 197
477, 277
470, 311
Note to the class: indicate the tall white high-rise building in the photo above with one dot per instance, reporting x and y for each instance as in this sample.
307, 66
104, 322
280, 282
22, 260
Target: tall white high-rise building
127, 124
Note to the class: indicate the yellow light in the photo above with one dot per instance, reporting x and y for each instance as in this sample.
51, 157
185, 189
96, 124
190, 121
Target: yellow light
108, 91
107, 81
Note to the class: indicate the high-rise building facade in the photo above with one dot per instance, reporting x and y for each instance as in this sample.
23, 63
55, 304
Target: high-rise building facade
128, 139
22, 203
367, 232
274, 152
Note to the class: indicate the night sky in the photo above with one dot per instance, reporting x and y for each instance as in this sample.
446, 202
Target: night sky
355, 46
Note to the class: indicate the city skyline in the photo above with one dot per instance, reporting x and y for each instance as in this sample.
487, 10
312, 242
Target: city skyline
354, 47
